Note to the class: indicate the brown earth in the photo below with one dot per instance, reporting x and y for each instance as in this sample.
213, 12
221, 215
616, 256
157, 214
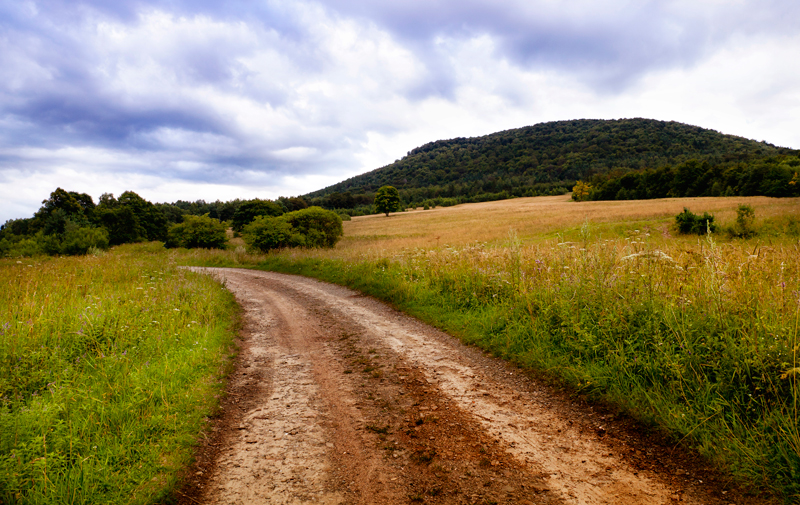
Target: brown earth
337, 398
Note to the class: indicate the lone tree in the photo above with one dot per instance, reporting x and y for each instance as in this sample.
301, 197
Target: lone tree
387, 200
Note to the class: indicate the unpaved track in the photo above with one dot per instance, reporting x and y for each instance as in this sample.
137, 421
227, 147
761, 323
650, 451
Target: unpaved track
340, 399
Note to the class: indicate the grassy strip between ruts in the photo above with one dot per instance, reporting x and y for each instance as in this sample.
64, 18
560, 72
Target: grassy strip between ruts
697, 338
109, 366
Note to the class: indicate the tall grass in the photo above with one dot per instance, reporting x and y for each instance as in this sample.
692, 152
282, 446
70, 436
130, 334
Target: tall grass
108, 366
698, 336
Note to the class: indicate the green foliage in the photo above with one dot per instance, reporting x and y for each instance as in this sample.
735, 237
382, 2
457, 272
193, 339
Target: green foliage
249, 210
311, 227
745, 221
769, 176
320, 227
537, 159
197, 231
108, 366
387, 200
268, 233
81, 240
688, 222
130, 218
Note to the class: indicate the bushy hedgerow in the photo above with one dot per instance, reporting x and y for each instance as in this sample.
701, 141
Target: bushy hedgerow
311, 227
197, 231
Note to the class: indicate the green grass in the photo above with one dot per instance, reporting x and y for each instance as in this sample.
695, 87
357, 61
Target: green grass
109, 367
694, 337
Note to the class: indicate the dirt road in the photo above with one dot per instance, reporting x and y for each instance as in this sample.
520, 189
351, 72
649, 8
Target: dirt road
338, 398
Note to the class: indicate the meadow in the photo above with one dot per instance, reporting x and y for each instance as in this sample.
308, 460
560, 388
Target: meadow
695, 335
109, 368
110, 364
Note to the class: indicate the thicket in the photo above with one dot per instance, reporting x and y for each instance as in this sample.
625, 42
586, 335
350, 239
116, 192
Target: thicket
70, 223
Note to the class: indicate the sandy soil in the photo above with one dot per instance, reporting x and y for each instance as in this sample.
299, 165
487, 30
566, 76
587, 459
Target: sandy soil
338, 398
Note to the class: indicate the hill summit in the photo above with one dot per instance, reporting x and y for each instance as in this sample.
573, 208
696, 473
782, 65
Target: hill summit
545, 158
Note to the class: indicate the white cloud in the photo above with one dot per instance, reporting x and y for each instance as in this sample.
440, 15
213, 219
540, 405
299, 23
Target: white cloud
187, 102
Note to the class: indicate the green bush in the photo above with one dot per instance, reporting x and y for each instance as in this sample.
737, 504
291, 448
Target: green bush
197, 231
27, 247
267, 233
688, 222
321, 228
745, 222
311, 227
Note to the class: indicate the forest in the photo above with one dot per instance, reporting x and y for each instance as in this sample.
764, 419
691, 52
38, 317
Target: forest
543, 159
775, 176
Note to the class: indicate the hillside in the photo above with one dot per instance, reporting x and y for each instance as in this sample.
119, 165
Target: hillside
544, 158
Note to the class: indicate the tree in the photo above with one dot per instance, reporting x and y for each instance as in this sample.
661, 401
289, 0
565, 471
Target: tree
580, 193
387, 200
248, 211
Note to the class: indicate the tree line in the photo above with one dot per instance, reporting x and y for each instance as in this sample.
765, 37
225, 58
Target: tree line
775, 176
70, 222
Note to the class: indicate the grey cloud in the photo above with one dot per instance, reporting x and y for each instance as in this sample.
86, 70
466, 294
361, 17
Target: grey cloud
608, 43
60, 86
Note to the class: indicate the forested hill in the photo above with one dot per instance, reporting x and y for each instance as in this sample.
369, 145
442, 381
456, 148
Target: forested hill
544, 158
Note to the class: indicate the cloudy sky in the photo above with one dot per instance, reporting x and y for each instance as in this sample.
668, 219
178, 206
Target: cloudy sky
179, 99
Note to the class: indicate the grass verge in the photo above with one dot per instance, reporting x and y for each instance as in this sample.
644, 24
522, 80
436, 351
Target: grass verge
109, 367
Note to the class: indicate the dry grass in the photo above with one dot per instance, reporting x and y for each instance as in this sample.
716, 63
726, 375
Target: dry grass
698, 335
532, 219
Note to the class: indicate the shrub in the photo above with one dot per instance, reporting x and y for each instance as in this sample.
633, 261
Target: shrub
321, 228
197, 231
688, 222
267, 233
580, 193
311, 227
745, 222
27, 246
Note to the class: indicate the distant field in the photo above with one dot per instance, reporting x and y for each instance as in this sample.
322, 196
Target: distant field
695, 334
535, 219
